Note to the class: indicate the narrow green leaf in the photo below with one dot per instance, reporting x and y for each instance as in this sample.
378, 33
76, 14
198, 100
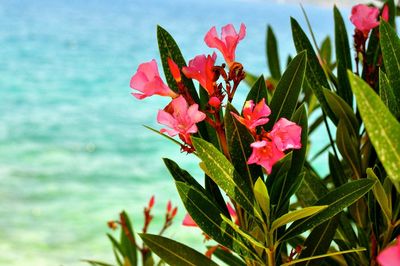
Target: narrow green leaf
175, 253
337, 172
392, 12
311, 189
228, 257
390, 44
324, 256
258, 91
319, 241
169, 49
284, 101
207, 215
296, 215
239, 139
326, 50
273, 55
387, 94
341, 109
127, 240
337, 200
262, 196
180, 174
163, 135
235, 227
117, 249
343, 55
97, 263
315, 75
380, 195
225, 176
382, 127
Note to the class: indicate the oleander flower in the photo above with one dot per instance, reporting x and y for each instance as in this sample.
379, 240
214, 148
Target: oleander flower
147, 80
266, 154
228, 41
254, 115
201, 69
385, 13
286, 135
364, 18
390, 256
180, 118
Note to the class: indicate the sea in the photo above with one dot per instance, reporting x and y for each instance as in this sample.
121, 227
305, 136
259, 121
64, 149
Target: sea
74, 151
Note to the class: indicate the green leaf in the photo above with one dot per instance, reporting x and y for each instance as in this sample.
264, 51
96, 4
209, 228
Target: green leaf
235, 227
326, 50
380, 195
163, 135
97, 263
382, 127
258, 91
207, 216
262, 196
392, 12
225, 176
347, 143
337, 172
390, 45
228, 257
341, 109
296, 215
169, 49
337, 200
319, 240
284, 101
273, 55
180, 174
292, 180
175, 253
311, 189
117, 249
343, 57
127, 240
323, 256
387, 94
315, 75
239, 139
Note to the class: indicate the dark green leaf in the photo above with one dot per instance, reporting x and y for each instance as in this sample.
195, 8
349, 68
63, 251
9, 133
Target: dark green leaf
175, 253
239, 140
224, 174
258, 91
341, 109
326, 50
117, 249
343, 57
337, 172
128, 244
229, 258
97, 263
319, 241
315, 75
207, 215
387, 94
284, 101
273, 55
169, 49
390, 44
311, 189
337, 200
382, 127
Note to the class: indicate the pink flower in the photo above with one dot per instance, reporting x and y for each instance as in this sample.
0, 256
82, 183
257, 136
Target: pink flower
147, 80
180, 118
188, 221
228, 41
385, 13
286, 135
364, 18
201, 69
266, 154
390, 256
254, 115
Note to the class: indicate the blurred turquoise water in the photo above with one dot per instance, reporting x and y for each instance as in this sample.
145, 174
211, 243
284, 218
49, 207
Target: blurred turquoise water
73, 151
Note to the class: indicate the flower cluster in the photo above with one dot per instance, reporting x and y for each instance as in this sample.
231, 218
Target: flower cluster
182, 114
270, 146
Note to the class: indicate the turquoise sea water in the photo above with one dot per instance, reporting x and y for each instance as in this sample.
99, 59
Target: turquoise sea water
73, 151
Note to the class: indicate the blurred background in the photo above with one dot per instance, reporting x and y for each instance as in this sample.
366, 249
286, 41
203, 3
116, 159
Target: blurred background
73, 151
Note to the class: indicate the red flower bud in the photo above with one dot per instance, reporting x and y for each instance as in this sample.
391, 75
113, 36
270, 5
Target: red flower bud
151, 202
173, 67
214, 102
